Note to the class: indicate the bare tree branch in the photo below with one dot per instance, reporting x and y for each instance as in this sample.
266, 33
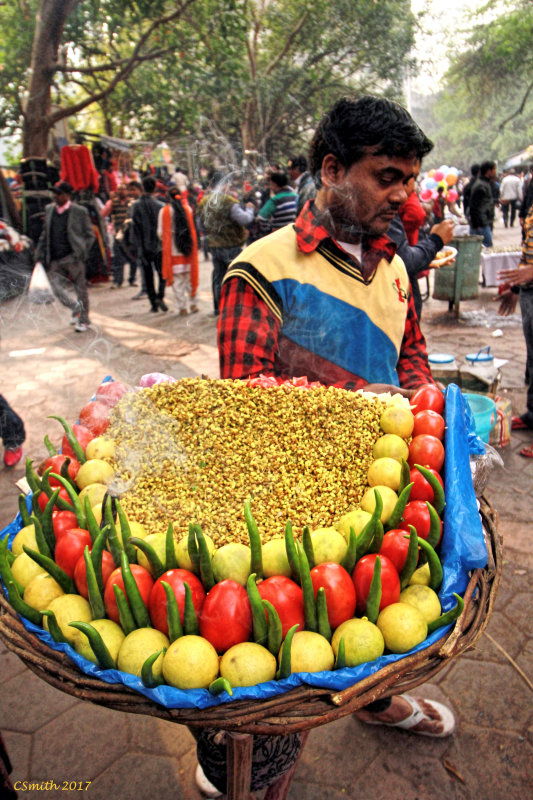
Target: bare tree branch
519, 110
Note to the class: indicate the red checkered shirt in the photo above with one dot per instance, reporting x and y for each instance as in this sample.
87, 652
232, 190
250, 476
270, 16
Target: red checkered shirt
248, 331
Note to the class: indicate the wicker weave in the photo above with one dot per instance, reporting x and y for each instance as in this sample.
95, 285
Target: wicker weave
298, 709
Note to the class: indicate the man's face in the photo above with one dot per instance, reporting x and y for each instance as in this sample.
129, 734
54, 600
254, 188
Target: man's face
365, 197
134, 192
61, 198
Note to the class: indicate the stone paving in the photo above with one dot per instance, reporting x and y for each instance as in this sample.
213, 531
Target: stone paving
47, 368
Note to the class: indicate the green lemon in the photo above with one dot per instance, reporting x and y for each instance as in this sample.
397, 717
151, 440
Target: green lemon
402, 626
391, 446
24, 536
275, 561
190, 662
310, 652
232, 561
328, 545
137, 646
41, 590
70, 608
247, 664
424, 599
112, 636
353, 519
363, 641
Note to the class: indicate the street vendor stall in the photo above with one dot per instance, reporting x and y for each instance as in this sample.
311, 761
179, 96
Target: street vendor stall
290, 702
494, 260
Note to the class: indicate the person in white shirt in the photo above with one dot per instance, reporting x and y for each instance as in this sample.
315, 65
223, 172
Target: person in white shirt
510, 196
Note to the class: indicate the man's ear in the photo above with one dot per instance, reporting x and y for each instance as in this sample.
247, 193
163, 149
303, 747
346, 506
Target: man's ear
332, 171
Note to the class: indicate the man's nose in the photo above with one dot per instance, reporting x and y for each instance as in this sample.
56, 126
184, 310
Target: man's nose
398, 194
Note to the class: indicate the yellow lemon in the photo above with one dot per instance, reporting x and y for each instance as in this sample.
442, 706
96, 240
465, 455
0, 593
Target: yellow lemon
275, 561
247, 664
310, 652
159, 542
112, 636
100, 447
391, 446
385, 472
94, 471
41, 590
421, 576
137, 647
24, 569
95, 492
26, 536
182, 553
328, 545
190, 662
232, 561
402, 626
398, 419
424, 599
363, 641
70, 608
389, 497
353, 519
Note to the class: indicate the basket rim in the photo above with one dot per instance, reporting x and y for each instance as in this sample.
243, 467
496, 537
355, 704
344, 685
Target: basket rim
297, 709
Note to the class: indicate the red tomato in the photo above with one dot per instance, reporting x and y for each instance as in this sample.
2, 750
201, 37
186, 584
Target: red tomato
80, 574
427, 396
428, 421
394, 547
428, 451
95, 416
142, 578
110, 392
43, 499
63, 521
362, 578
82, 434
339, 589
176, 578
287, 598
416, 513
69, 548
421, 490
226, 617
56, 462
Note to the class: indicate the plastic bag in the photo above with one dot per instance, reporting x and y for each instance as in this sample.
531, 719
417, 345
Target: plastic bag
40, 290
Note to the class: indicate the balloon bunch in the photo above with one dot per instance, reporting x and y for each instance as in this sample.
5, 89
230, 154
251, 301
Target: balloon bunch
443, 176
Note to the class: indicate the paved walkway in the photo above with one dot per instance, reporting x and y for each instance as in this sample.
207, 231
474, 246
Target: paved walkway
47, 368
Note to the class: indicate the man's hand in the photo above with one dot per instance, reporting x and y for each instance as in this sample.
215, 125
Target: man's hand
508, 301
444, 230
522, 274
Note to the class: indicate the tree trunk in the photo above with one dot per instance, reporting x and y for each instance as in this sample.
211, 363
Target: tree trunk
50, 21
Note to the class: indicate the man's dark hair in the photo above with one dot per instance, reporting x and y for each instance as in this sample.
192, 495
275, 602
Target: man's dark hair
298, 162
149, 184
134, 183
474, 170
486, 166
281, 179
353, 127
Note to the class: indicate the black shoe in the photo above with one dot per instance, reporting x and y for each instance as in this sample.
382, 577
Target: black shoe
139, 295
162, 305
154, 309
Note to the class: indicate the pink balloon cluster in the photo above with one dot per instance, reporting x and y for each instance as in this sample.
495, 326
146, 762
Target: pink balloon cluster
444, 176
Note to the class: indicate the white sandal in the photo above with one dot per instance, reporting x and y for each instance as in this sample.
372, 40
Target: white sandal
446, 716
204, 784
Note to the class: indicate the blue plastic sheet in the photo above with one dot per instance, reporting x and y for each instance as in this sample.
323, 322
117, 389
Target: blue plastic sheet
463, 549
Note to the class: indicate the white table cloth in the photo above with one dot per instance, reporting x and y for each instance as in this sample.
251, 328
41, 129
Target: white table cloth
492, 263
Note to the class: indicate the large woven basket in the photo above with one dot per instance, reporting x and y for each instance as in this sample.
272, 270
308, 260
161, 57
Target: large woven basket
298, 709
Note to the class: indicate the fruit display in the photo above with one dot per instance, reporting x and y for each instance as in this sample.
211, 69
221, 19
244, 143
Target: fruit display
202, 540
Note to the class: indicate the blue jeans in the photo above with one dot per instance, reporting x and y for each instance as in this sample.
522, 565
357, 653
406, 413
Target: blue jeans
485, 231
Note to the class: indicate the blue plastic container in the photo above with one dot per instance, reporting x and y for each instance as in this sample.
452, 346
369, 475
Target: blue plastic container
483, 410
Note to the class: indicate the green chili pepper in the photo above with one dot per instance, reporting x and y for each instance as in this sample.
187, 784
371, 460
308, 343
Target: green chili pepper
374, 593
411, 559
23, 511
96, 600
53, 628
47, 522
48, 564
170, 554
50, 448
125, 532
260, 626
77, 449
439, 500
449, 616
220, 685
285, 660
274, 628
206, 567
98, 646
256, 560
292, 553
92, 525
377, 541
405, 476
49, 490
40, 540
127, 622
13, 592
308, 546
397, 512
138, 608
175, 628
192, 549
157, 567
324, 628
76, 505
10, 558
311, 621
435, 567
366, 537
96, 558
340, 661
435, 527
147, 674
112, 536
65, 474
35, 507
350, 556
190, 620
34, 482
